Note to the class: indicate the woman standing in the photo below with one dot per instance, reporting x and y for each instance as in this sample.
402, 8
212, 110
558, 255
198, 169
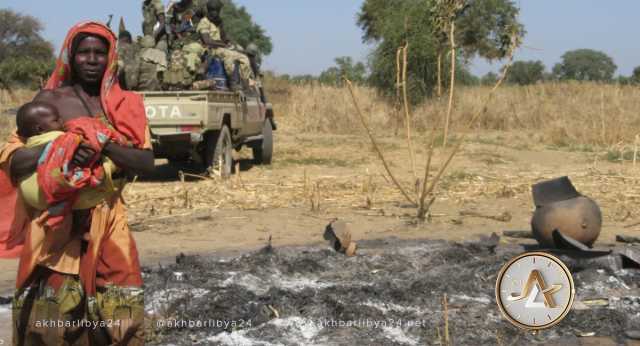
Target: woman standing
89, 269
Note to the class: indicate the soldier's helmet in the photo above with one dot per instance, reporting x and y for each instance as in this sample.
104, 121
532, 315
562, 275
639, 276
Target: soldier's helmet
147, 42
252, 49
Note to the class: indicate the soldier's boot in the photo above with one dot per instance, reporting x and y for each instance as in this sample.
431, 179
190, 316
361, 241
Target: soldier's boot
235, 81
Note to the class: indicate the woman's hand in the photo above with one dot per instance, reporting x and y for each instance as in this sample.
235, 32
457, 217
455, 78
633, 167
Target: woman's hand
83, 155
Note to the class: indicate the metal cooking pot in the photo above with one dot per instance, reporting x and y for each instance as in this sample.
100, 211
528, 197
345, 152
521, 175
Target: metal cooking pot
560, 207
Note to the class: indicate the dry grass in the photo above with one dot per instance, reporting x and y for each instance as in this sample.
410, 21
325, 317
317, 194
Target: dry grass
14, 99
316, 108
8, 101
6, 126
320, 132
563, 114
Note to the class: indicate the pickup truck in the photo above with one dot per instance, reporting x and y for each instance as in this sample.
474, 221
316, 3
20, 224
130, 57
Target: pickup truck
205, 126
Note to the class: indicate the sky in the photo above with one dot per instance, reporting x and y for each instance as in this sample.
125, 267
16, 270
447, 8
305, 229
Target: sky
308, 34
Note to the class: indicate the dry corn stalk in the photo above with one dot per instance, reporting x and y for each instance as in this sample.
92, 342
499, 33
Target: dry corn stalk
376, 147
447, 119
368, 189
515, 43
445, 312
407, 115
314, 197
186, 202
635, 149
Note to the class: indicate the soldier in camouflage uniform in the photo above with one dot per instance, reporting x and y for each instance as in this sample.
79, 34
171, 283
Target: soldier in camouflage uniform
186, 49
127, 51
253, 52
153, 13
185, 67
184, 17
150, 63
213, 37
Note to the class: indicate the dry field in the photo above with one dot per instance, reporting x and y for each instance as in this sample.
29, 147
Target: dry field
325, 168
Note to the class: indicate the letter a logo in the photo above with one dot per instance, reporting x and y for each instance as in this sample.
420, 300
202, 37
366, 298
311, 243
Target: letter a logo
535, 284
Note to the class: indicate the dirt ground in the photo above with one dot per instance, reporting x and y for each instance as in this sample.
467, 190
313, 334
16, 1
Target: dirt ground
491, 176
316, 178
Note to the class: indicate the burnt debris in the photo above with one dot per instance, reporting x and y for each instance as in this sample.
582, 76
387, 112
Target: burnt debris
293, 295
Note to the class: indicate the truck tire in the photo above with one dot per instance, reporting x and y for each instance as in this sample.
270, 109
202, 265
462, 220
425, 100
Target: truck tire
218, 152
263, 149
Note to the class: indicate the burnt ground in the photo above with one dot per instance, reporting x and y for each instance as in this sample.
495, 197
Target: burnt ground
292, 295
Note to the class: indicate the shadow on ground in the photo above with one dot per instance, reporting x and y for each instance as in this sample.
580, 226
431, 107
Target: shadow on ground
169, 172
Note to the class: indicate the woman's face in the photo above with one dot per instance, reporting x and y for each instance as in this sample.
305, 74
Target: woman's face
90, 60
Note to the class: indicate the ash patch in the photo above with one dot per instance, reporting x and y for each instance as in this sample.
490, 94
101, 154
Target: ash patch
299, 296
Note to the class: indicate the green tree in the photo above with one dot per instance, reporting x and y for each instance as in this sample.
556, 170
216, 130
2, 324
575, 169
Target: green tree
240, 28
330, 76
465, 77
624, 80
491, 78
526, 72
548, 76
25, 57
25, 71
635, 76
345, 68
585, 65
484, 29
303, 79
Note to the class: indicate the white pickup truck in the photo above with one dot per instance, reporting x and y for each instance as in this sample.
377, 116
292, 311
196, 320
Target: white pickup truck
205, 126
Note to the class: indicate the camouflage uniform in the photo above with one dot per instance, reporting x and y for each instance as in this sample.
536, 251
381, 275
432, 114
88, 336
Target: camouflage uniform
253, 52
151, 10
127, 62
228, 56
186, 49
149, 63
184, 67
184, 22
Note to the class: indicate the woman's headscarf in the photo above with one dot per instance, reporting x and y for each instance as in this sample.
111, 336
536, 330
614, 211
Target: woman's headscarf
124, 109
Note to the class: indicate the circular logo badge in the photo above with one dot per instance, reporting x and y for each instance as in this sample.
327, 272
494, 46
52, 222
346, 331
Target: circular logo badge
535, 291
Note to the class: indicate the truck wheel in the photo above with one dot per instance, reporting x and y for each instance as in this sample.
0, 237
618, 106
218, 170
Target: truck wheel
263, 149
217, 153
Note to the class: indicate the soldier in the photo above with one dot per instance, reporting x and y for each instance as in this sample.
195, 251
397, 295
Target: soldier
153, 13
254, 58
256, 61
127, 51
124, 38
183, 21
185, 66
150, 63
186, 49
235, 62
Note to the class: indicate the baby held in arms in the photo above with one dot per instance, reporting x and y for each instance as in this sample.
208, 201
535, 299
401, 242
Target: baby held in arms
57, 186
